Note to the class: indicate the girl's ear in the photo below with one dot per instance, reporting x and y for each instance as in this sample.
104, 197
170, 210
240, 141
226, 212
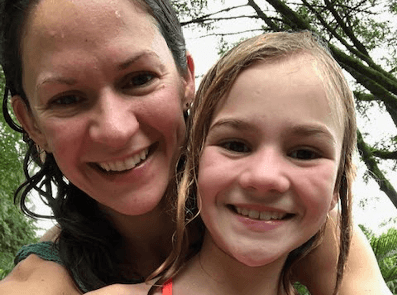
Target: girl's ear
28, 122
189, 81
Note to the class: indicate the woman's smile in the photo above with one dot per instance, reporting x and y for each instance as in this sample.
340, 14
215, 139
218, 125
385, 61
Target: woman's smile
108, 108
125, 164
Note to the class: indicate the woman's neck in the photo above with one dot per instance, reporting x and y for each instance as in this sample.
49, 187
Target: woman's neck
214, 272
146, 239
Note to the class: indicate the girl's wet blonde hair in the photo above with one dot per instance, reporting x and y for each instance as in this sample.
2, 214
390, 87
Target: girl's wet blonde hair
214, 88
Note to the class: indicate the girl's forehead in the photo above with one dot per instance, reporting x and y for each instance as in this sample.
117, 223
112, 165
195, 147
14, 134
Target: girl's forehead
284, 81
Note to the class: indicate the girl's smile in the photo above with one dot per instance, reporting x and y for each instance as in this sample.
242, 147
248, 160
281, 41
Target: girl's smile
268, 168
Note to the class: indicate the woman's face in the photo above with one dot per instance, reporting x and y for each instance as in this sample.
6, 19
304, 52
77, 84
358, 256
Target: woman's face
106, 99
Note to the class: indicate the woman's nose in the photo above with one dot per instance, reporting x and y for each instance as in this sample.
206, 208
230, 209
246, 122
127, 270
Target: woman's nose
267, 171
114, 122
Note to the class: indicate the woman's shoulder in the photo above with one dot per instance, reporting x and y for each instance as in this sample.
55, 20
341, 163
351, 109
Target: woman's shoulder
126, 289
35, 275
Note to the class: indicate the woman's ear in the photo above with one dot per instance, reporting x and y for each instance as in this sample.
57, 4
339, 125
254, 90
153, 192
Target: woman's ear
334, 201
189, 80
28, 122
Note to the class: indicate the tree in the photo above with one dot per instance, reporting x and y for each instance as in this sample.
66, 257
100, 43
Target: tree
385, 249
354, 29
15, 229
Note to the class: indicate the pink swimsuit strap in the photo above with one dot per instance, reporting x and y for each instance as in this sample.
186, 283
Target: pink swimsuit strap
167, 287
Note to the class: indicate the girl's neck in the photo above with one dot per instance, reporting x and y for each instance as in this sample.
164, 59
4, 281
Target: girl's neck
214, 272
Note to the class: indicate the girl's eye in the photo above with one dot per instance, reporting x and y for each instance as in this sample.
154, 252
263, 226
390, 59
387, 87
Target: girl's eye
304, 154
139, 80
235, 146
66, 100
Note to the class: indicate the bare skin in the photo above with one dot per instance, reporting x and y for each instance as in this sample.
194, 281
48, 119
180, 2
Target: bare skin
362, 274
316, 271
37, 276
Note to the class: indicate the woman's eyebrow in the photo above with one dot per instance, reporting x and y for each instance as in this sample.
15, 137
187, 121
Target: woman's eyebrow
136, 58
120, 67
58, 80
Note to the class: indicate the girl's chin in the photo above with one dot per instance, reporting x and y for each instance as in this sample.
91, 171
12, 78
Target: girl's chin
257, 259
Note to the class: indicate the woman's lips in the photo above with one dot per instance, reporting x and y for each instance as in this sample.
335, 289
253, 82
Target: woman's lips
128, 163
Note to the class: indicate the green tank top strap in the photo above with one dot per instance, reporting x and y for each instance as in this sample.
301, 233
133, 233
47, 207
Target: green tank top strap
47, 251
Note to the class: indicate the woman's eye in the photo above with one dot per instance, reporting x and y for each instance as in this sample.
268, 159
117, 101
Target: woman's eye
235, 146
304, 154
66, 100
139, 80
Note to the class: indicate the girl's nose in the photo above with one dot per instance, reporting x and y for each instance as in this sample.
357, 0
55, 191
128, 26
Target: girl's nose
114, 122
267, 171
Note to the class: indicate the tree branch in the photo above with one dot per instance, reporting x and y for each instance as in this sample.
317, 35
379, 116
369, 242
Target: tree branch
263, 16
206, 16
230, 34
365, 96
377, 90
385, 155
370, 73
215, 19
293, 20
334, 33
367, 156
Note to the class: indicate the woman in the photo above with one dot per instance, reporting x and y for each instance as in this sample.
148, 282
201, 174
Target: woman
101, 88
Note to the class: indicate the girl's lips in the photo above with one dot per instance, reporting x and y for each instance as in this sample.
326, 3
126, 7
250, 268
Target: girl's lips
128, 163
260, 221
264, 215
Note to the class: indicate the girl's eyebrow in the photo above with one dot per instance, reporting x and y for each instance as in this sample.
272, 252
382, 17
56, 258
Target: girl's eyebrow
233, 123
303, 130
310, 130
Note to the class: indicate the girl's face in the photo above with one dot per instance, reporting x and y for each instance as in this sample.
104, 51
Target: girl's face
106, 99
269, 165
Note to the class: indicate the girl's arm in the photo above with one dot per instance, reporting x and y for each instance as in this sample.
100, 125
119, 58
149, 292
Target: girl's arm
362, 274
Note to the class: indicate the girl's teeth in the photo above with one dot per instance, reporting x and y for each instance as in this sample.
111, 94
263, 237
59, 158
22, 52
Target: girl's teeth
125, 164
253, 214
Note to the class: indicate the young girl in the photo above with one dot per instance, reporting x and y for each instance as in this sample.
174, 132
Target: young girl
270, 154
100, 89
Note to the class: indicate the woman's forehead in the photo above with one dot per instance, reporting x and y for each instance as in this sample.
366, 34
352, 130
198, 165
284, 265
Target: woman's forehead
61, 17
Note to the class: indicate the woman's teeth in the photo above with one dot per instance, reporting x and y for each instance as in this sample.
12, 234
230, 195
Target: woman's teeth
126, 164
264, 215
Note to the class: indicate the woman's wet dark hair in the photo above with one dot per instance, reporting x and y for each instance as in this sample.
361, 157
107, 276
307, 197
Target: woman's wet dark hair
89, 246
